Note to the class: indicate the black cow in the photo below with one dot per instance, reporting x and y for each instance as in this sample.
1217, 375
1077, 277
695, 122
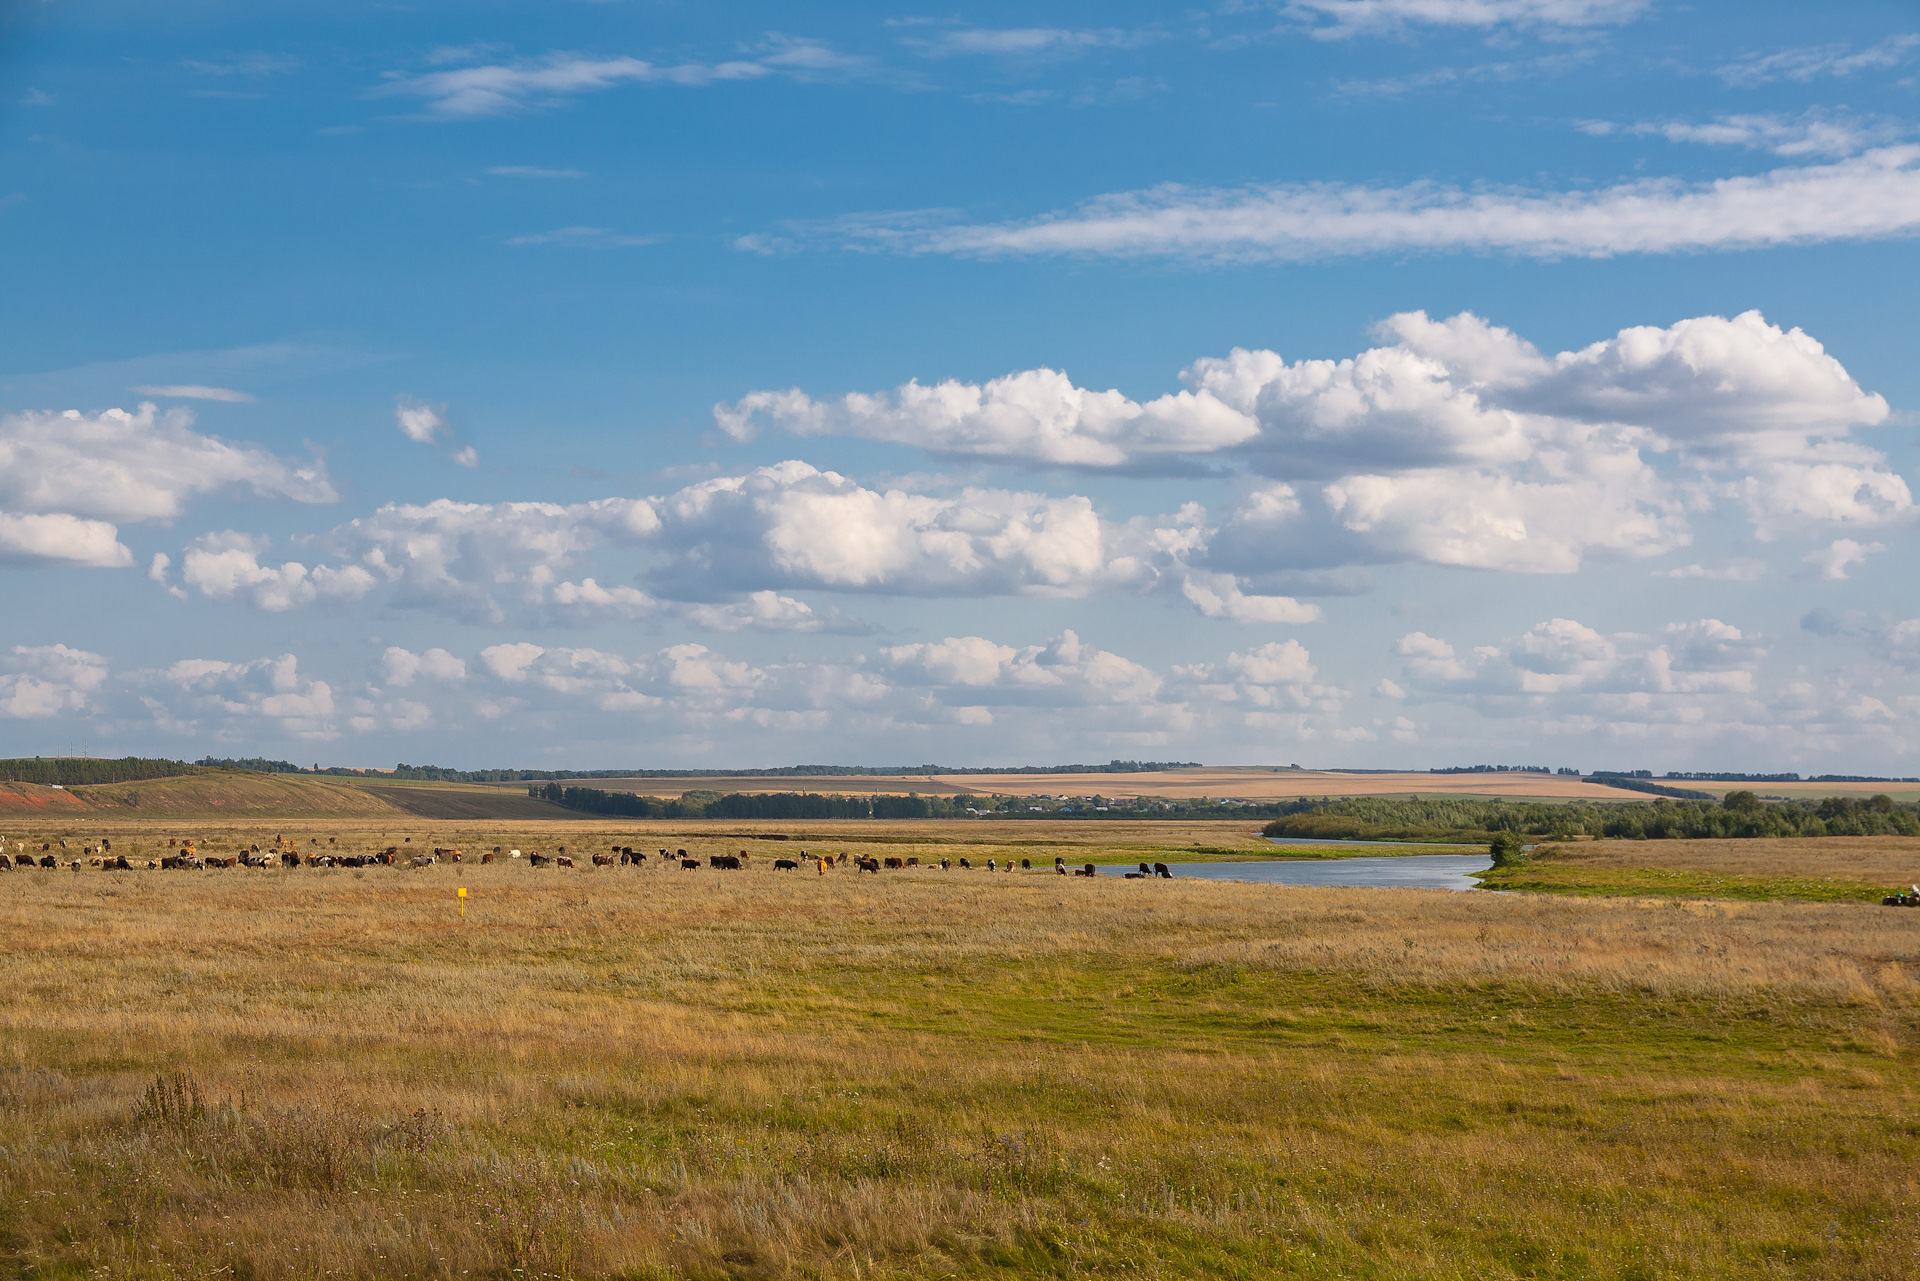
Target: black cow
786, 865
731, 862
689, 863
1161, 869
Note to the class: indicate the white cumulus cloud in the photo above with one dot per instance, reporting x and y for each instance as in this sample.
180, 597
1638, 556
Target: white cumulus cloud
227, 564
401, 667
38, 681
239, 697
66, 479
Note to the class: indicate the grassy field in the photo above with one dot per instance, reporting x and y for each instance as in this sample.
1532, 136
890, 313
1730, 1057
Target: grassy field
1831, 869
650, 1072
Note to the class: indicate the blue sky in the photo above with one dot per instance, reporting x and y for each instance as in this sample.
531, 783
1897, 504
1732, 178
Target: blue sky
1350, 382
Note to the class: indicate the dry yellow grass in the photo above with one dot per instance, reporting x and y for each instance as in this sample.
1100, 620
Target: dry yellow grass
625, 1072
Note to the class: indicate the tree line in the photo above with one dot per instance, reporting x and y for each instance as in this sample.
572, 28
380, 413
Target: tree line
1739, 814
744, 805
74, 771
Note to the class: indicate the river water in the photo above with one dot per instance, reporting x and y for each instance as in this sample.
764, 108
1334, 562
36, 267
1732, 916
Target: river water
1402, 871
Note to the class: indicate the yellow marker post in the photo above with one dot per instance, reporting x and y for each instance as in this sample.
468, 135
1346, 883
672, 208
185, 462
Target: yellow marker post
463, 902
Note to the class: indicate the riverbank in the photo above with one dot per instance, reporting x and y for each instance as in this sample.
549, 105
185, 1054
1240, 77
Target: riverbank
1832, 869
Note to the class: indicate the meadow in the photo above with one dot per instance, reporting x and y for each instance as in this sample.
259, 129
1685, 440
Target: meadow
650, 1072
1830, 869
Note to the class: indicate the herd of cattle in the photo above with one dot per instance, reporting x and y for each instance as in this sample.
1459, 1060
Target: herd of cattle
280, 852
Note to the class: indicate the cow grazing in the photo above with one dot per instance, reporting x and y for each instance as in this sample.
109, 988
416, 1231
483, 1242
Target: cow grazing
869, 865
423, 860
1145, 870
966, 864
1084, 871
48, 860
562, 861
842, 858
290, 859
993, 865
603, 860
1161, 869
895, 862
538, 860
1026, 864
1060, 866
6, 864
913, 862
487, 857
786, 865
688, 864
680, 853
729, 861
946, 864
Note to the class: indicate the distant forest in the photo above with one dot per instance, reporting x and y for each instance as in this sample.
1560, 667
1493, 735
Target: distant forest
72, 771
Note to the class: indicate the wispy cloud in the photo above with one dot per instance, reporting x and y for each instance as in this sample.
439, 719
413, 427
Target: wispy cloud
1504, 72
1023, 42
498, 88
1811, 133
587, 238
1873, 195
193, 391
257, 63
1813, 62
534, 171
1340, 19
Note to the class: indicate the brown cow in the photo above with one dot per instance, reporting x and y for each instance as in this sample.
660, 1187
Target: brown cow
893, 862
563, 860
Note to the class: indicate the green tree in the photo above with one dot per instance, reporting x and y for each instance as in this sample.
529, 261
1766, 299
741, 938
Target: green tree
1507, 849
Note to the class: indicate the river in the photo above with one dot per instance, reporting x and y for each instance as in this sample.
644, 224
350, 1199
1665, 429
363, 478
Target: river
1401, 871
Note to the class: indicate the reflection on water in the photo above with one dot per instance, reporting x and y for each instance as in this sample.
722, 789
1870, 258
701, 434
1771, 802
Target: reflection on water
1404, 871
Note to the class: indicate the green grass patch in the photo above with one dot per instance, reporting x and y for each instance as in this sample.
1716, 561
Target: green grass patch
1584, 879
